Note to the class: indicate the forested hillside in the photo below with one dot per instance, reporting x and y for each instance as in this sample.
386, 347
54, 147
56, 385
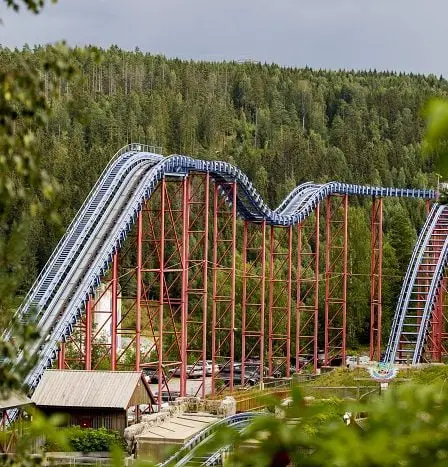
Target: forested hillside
281, 126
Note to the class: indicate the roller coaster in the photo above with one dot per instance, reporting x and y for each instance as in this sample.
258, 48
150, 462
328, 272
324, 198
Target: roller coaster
194, 452
160, 234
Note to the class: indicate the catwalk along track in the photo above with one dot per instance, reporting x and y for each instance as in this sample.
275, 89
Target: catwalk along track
156, 239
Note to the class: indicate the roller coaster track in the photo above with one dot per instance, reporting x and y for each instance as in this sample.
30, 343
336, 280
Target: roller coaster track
190, 453
57, 299
420, 289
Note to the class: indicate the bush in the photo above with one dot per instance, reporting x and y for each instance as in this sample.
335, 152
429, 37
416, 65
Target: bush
89, 440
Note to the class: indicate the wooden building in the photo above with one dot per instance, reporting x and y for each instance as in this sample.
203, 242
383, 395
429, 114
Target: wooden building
93, 399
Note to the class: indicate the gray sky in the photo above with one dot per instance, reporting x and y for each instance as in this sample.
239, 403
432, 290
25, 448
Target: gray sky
401, 35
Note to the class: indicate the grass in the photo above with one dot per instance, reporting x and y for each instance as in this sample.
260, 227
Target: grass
341, 377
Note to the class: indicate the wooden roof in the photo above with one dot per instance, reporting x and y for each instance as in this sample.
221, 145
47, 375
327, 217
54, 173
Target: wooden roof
93, 389
15, 399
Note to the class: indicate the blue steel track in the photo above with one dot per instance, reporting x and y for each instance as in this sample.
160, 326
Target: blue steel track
188, 454
58, 297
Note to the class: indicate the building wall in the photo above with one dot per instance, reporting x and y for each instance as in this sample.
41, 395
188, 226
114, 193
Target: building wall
91, 418
103, 312
140, 395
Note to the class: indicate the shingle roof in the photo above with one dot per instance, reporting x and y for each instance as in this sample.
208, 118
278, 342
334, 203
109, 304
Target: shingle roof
72, 388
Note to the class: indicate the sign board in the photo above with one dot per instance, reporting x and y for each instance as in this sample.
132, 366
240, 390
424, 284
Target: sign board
383, 372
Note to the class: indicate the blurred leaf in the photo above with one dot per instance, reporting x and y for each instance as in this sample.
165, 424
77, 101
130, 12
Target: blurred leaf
436, 139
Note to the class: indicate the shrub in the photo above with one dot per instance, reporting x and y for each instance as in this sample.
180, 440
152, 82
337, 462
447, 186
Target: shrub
89, 440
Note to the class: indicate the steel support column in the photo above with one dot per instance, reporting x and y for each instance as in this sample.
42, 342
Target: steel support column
223, 281
161, 270
336, 278
88, 335
279, 311
253, 297
307, 303
437, 337
61, 356
197, 274
376, 278
114, 318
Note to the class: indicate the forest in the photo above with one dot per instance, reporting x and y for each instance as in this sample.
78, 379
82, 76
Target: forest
281, 126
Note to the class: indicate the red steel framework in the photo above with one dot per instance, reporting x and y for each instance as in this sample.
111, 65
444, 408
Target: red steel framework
170, 298
336, 272
307, 300
223, 281
437, 342
12, 429
194, 334
168, 279
253, 297
376, 278
279, 306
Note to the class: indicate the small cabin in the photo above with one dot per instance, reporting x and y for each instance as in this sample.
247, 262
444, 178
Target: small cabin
93, 399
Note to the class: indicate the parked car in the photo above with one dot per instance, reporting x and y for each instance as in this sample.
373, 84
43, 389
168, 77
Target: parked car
209, 369
352, 360
151, 372
251, 373
167, 395
193, 371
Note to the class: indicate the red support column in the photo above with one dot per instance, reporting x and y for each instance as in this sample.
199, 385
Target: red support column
328, 278
437, 338
61, 356
344, 283
233, 283
160, 370
336, 278
376, 278
443, 319
88, 336
205, 282
114, 318
223, 282
279, 312
197, 274
307, 303
253, 296
184, 286
195, 285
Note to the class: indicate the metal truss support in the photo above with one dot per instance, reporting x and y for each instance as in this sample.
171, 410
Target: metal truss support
279, 311
223, 280
88, 335
336, 247
437, 342
14, 424
171, 276
76, 352
376, 278
61, 356
253, 297
307, 303
196, 218
101, 320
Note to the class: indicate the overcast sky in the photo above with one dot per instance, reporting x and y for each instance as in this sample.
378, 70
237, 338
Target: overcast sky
401, 35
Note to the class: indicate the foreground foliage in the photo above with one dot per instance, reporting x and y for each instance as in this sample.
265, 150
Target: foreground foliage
406, 426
